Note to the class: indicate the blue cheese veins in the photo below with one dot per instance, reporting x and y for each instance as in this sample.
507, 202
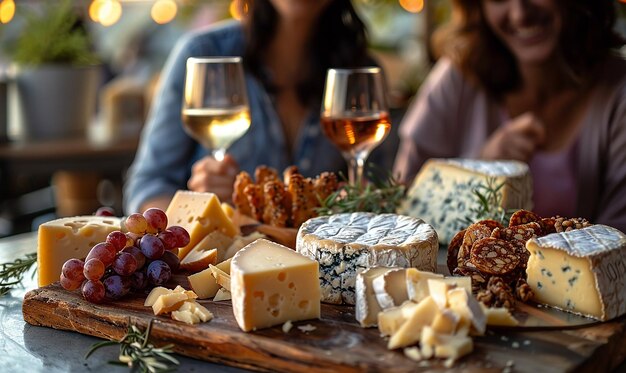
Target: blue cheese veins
346, 244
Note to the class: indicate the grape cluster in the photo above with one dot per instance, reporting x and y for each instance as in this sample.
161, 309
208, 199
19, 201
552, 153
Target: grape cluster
144, 256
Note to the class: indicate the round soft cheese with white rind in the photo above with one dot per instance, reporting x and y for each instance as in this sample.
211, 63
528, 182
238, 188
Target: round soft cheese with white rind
346, 244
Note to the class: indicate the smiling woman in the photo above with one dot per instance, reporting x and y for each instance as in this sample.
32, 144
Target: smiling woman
539, 81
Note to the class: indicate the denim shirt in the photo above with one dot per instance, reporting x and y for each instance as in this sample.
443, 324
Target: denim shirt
166, 153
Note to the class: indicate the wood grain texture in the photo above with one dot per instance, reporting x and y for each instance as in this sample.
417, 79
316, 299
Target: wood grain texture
337, 344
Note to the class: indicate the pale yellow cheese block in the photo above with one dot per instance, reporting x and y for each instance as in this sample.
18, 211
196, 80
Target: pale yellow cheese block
66, 238
204, 283
200, 214
272, 284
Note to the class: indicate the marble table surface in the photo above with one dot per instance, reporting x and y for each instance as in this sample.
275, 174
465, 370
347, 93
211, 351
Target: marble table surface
27, 348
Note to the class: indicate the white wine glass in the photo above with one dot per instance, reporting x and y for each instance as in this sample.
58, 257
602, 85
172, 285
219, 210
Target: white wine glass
354, 115
215, 108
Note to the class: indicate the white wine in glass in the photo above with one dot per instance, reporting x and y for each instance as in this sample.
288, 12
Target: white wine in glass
215, 108
354, 115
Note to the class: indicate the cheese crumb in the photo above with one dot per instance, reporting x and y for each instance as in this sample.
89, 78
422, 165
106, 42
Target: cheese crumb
413, 353
287, 326
307, 328
515, 344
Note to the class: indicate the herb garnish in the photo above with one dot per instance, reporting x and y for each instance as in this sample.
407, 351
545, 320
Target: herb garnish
380, 195
12, 273
489, 198
137, 353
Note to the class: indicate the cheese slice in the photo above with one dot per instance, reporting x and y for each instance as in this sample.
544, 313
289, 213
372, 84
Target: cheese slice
499, 316
410, 331
200, 214
442, 192
390, 320
63, 239
417, 283
581, 271
204, 283
438, 288
346, 244
463, 302
272, 284
390, 288
367, 307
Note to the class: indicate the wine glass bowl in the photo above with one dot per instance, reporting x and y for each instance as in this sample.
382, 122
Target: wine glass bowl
215, 108
354, 115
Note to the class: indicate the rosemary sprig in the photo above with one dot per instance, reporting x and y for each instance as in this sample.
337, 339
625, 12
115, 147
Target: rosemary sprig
12, 273
380, 195
489, 198
137, 353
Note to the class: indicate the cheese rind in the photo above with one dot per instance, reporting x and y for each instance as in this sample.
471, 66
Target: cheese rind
346, 244
200, 214
272, 284
442, 192
367, 307
390, 288
66, 238
582, 271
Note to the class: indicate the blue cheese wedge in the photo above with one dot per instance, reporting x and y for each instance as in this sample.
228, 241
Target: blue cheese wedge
442, 192
346, 244
581, 271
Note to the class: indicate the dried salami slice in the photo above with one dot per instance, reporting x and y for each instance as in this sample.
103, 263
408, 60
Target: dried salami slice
490, 223
472, 234
522, 232
494, 256
522, 252
520, 217
453, 250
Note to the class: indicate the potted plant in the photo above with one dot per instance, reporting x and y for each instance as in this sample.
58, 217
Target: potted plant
56, 76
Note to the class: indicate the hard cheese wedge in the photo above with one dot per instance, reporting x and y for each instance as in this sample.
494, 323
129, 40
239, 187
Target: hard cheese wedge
581, 271
272, 284
62, 239
200, 214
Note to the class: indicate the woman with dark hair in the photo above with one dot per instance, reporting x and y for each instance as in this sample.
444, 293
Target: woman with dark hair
538, 81
287, 46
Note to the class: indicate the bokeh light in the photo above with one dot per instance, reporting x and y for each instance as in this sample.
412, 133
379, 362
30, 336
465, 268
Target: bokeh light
238, 9
163, 11
413, 6
7, 11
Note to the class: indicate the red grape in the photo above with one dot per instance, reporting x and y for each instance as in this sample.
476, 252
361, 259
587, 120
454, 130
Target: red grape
116, 286
105, 211
68, 284
93, 291
156, 219
136, 223
103, 251
169, 240
94, 269
139, 280
124, 264
117, 239
151, 246
137, 254
171, 259
182, 236
158, 273
132, 238
73, 270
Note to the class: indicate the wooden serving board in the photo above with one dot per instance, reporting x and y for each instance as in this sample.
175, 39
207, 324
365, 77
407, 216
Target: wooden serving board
337, 344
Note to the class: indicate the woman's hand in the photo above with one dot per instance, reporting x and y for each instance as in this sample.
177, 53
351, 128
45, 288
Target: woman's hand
518, 139
211, 175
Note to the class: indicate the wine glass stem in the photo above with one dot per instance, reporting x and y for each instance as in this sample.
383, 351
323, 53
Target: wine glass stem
355, 170
219, 154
